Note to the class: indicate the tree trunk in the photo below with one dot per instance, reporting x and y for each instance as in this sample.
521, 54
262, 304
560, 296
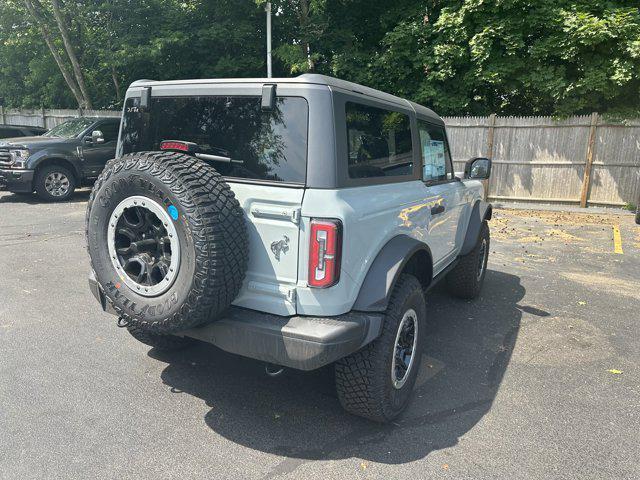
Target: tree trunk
116, 83
34, 10
66, 39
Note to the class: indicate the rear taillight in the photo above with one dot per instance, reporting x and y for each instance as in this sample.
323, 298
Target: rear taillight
325, 249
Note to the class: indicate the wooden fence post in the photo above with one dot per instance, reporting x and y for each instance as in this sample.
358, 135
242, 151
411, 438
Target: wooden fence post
591, 143
490, 136
2, 116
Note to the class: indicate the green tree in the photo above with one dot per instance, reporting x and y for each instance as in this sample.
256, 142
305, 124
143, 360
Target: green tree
519, 57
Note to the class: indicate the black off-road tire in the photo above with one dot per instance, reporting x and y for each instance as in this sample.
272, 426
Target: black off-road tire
211, 231
467, 277
638, 213
363, 379
164, 343
41, 176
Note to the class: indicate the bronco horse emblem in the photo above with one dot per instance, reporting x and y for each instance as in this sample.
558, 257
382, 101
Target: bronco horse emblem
280, 246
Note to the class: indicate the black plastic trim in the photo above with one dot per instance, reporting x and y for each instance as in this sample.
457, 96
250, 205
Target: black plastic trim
480, 212
15, 180
384, 271
442, 274
300, 342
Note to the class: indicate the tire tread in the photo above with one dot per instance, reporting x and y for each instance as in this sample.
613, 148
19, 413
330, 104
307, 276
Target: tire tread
361, 377
217, 226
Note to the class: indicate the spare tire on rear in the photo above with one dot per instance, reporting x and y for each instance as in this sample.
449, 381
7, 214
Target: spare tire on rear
167, 240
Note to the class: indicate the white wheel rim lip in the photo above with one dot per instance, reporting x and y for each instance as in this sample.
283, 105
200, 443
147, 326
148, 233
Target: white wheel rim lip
409, 315
483, 262
57, 184
167, 221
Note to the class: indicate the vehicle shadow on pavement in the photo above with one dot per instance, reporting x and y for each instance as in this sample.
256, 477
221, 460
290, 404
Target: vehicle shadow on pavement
299, 417
79, 196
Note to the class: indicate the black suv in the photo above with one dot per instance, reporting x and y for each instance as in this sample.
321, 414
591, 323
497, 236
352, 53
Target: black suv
12, 131
54, 164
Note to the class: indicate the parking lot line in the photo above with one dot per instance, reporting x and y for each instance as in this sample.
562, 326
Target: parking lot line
617, 239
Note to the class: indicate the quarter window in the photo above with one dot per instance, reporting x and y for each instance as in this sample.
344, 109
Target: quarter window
436, 159
379, 142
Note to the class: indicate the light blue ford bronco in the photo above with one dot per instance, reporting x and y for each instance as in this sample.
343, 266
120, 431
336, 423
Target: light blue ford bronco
295, 221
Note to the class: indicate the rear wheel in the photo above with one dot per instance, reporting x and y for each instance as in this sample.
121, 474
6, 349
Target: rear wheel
376, 382
54, 183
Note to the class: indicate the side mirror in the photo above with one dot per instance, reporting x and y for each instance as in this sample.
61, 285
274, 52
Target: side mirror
97, 137
478, 168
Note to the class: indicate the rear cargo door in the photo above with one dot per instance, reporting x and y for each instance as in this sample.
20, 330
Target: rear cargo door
273, 218
258, 142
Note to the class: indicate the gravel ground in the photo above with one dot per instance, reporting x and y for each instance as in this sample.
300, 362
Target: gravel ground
536, 379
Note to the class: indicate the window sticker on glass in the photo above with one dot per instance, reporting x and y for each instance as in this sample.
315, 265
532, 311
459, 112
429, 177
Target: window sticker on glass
434, 161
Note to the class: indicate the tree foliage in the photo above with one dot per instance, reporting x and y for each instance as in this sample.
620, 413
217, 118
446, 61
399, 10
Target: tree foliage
516, 57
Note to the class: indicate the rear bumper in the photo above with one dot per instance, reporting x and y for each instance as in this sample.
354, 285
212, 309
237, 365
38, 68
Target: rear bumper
300, 342
16, 180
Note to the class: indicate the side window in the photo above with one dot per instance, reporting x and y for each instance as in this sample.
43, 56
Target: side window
109, 131
436, 159
379, 142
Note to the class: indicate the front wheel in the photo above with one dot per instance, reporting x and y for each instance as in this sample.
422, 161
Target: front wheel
54, 183
467, 277
376, 382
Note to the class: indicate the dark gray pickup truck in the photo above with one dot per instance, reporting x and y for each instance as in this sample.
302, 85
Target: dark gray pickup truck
54, 164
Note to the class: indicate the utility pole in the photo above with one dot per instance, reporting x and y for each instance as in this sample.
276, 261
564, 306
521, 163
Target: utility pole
268, 10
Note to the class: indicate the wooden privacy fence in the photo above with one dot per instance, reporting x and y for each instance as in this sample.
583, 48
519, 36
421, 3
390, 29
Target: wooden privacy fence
580, 160
48, 118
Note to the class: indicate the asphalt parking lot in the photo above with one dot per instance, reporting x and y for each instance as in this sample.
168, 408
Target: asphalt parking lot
538, 378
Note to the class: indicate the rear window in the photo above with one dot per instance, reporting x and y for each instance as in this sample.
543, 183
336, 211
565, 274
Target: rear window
379, 142
262, 145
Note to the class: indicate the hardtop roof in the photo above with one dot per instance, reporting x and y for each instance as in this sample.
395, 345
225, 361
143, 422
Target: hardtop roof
307, 78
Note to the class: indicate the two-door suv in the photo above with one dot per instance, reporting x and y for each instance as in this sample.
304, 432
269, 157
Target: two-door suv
296, 221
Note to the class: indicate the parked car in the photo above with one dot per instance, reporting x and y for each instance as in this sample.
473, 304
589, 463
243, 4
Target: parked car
294, 221
54, 164
12, 131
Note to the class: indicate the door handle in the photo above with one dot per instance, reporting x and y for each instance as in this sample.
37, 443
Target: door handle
437, 209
